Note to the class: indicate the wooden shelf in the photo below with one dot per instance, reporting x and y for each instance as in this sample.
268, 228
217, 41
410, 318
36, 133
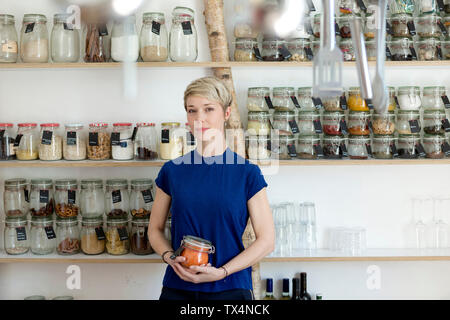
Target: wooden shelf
78, 164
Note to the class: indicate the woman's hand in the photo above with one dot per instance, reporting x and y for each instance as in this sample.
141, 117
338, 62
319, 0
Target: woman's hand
196, 274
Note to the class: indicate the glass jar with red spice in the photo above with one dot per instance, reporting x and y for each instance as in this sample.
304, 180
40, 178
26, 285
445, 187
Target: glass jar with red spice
358, 123
334, 123
196, 251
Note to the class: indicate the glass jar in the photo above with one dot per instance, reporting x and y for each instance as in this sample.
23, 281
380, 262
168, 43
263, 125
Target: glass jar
15, 198
405, 122
383, 147
74, 142
41, 198
402, 6
447, 23
399, 25
7, 151
66, 198
315, 46
283, 98
243, 50
316, 24
16, 238
8, 39
92, 236
344, 26
346, 46
183, 36
272, 50
92, 198
117, 239
428, 49
309, 123
258, 98
334, 147
427, 6
34, 39
409, 98
67, 236
300, 48
189, 142
171, 146
370, 27
348, 7
428, 26
65, 40
196, 251
433, 146
26, 142
445, 44
392, 95
117, 199
125, 40
243, 29
447, 6
50, 146
309, 147
432, 98
358, 123
121, 143
140, 244
42, 236
258, 147
145, 142
98, 42
284, 147
407, 146
141, 197
285, 123
99, 147
355, 102
401, 49
433, 122
383, 124
332, 104
371, 50
258, 123
358, 147
332, 123
153, 38
305, 99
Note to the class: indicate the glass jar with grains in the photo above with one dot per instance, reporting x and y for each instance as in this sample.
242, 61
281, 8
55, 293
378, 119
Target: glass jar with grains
140, 244
15, 198
67, 236
145, 142
153, 39
34, 39
65, 40
122, 144
8, 39
66, 198
41, 198
408, 122
258, 147
42, 235
428, 25
258, 99
74, 142
383, 123
50, 147
117, 239
258, 123
99, 147
117, 199
141, 197
383, 147
92, 198
244, 49
401, 25
92, 236
171, 146
283, 98
26, 142
16, 237
309, 147
183, 36
433, 145
7, 151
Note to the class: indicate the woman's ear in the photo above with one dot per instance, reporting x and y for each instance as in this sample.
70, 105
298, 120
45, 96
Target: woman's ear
227, 113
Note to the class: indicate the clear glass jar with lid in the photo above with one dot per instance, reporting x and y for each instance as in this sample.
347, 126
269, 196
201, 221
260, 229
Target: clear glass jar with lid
97, 44
41, 198
333, 123
409, 98
125, 40
42, 236
15, 198
66, 198
371, 50
445, 44
346, 46
358, 123
334, 147
433, 121
358, 147
117, 238
285, 123
392, 95
370, 28
428, 25
283, 98
74, 142
305, 99
355, 102
171, 146
189, 141
7, 151
427, 6
401, 49
99, 146
50, 146
93, 236
34, 46
432, 98
408, 122
92, 198
117, 198
145, 142
383, 147
300, 49
153, 38
26, 143
65, 40
121, 143
258, 98
433, 145
183, 36
67, 236
141, 197
344, 25
244, 29
348, 7
258, 147
332, 104
8, 39
258, 123
244, 49
407, 146
284, 147
316, 24
309, 147
383, 123
402, 6
429, 49
140, 244
309, 123
399, 25
16, 237
272, 49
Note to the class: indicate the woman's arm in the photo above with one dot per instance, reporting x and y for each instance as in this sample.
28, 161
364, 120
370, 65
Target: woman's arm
158, 218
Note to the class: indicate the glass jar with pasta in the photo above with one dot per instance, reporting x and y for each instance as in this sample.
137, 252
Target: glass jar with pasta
117, 238
66, 198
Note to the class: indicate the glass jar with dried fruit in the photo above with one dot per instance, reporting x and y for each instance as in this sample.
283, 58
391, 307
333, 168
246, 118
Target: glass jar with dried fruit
141, 197
145, 142
383, 123
67, 236
140, 244
117, 199
41, 198
15, 198
99, 146
66, 198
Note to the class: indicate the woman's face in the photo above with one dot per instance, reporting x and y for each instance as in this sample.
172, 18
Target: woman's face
206, 118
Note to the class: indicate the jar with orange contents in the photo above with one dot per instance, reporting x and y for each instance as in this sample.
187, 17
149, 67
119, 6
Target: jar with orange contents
355, 101
196, 251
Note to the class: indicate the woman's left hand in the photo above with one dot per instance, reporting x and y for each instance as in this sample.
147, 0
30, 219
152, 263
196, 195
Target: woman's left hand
200, 274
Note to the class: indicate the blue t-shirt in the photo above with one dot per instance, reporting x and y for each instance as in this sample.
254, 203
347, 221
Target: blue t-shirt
209, 200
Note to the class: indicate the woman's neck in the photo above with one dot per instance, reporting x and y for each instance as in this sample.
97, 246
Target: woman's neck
211, 148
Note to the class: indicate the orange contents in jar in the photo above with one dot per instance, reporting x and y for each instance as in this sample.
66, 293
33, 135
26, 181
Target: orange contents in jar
196, 251
356, 103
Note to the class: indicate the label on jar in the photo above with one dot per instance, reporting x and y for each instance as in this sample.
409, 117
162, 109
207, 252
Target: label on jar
388, 53
17, 140
9, 47
21, 234
133, 136
269, 145
396, 102
294, 126
165, 136
361, 5
443, 28
146, 234
309, 53
102, 30
50, 232
187, 28
317, 126
343, 126
190, 140
115, 138
370, 126
439, 52
284, 52
369, 103
295, 101
2, 133
71, 195
441, 5
446, 125
30, 27
68, 26
343, 150
369, 149
116, 196
411, 28
394, 150
27, 198
269, 102
291, 150
389, 29
420, 150
446, 148
93, 139
446, 101
337, 31
47, 137
311, 5
413, 53
317, 102
147, 194
71, 138
123, 233
156, 27
318, 150
44, 196
414, 126
271, 125
343, 102
100, 233
257, 53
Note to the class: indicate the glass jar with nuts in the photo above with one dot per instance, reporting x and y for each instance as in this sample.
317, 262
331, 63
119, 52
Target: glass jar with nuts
99, 147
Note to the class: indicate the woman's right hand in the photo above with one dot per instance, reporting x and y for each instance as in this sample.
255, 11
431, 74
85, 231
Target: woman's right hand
176, 265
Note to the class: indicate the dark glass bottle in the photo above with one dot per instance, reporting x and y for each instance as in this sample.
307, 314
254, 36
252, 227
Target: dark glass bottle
269, 290
286, 293
296, 289
304, 295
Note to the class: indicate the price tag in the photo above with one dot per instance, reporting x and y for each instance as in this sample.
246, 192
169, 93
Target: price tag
156, 27
343, 150
369, 103
190, 140
93, 139
71, 138
50, 232
446, 148
68, 26
420, 150
284, 52
394, 150
100, 233
446, 125
21, 234
294, 126
370, 126
318, 150
102, 30
71, 195
123, 233
2, 133
187, 28
269, 145
336, 29
414, 126
257, 53
133, 136
147, 194
343, 101
30, 27
116, 196
317, 126
439, 52
146, 234
269, 102
411, 28
17, 140
27, 198
413, 53
317, 102
441, 5
446, 101
443, 28
369, 149
389, 29
47, 137
291, 150
309, 53
43, 196
115, 139
165, 136
361, 5
396, 102
388, 53
343, 126
295, 101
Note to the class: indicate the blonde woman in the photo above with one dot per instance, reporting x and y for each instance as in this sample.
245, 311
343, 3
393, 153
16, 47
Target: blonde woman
211, 193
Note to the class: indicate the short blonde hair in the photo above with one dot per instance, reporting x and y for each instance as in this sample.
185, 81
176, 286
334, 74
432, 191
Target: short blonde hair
211, 88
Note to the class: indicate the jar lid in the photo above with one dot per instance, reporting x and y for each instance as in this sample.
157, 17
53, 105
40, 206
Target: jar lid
308, 114
353, 137
402, 15
63, 298
383, 137
284, 114
116, 182
61, 17
438, 89
333, 138
50, 125
333, 114
116, 221
358, 114
431, 41
7, 18
313, 138
74, 125
354, 89
21, 125
409, 136
32, 17
91, 182
66, 221
98, 125
7, 125
140, 221
258, 138
141, 182
409, 112
17, 182
122, 124
35, 298
259, 90
170, 124
434, 113
198, 242
427, 16
16, 220
284, 90
262, 114
388, 114
42, 182
246, 39
431, 137
308, 89
91, 220
66, 182
150, 16
41, 220
404, 89
183, 12
145, 124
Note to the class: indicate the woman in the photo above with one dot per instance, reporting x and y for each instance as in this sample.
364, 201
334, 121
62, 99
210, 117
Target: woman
211, 192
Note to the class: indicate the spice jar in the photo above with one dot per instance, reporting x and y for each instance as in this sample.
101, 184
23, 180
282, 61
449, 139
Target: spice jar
432, 98
189, 142
42, 236
258, 123
50, 147
7, 151
183, 36
92, 198
334, 147
300, 48
399, 25
309, 123
371, 50
98, 42
445, 44
315, 46
258, 147
401, 49
392, 103
333, 123
99, 147
196, 251
428, 49
370, 27
427, 6
34, 39
284, 147
274, 50
145, 142
16, 237
428, 26
74, 142
67, 236
383, 124
141, 197
407, 146
433, 122
359, 147
41, 198
355, 102
283, 98
244, 49
433, 145
117, 240
285, 123
153, 38
26, 142
65, 40
244, 29
344, 25
66, 198
447, 23
117, 201
171, 146
447, 6
409, 98
348, 7
140, 244
358, 123
332, 104
15, 198
121, 143
408, 122
125, 40
346, 46
383, 147
309, 147
92, 236
8, 39
305, 99
316, 25
258, 98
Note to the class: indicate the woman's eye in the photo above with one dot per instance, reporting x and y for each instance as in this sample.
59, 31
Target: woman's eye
191, 111
209, 109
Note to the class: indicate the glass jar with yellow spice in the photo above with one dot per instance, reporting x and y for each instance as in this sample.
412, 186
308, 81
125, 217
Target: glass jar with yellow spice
171, 146
117, 239
26, 143
355, 102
